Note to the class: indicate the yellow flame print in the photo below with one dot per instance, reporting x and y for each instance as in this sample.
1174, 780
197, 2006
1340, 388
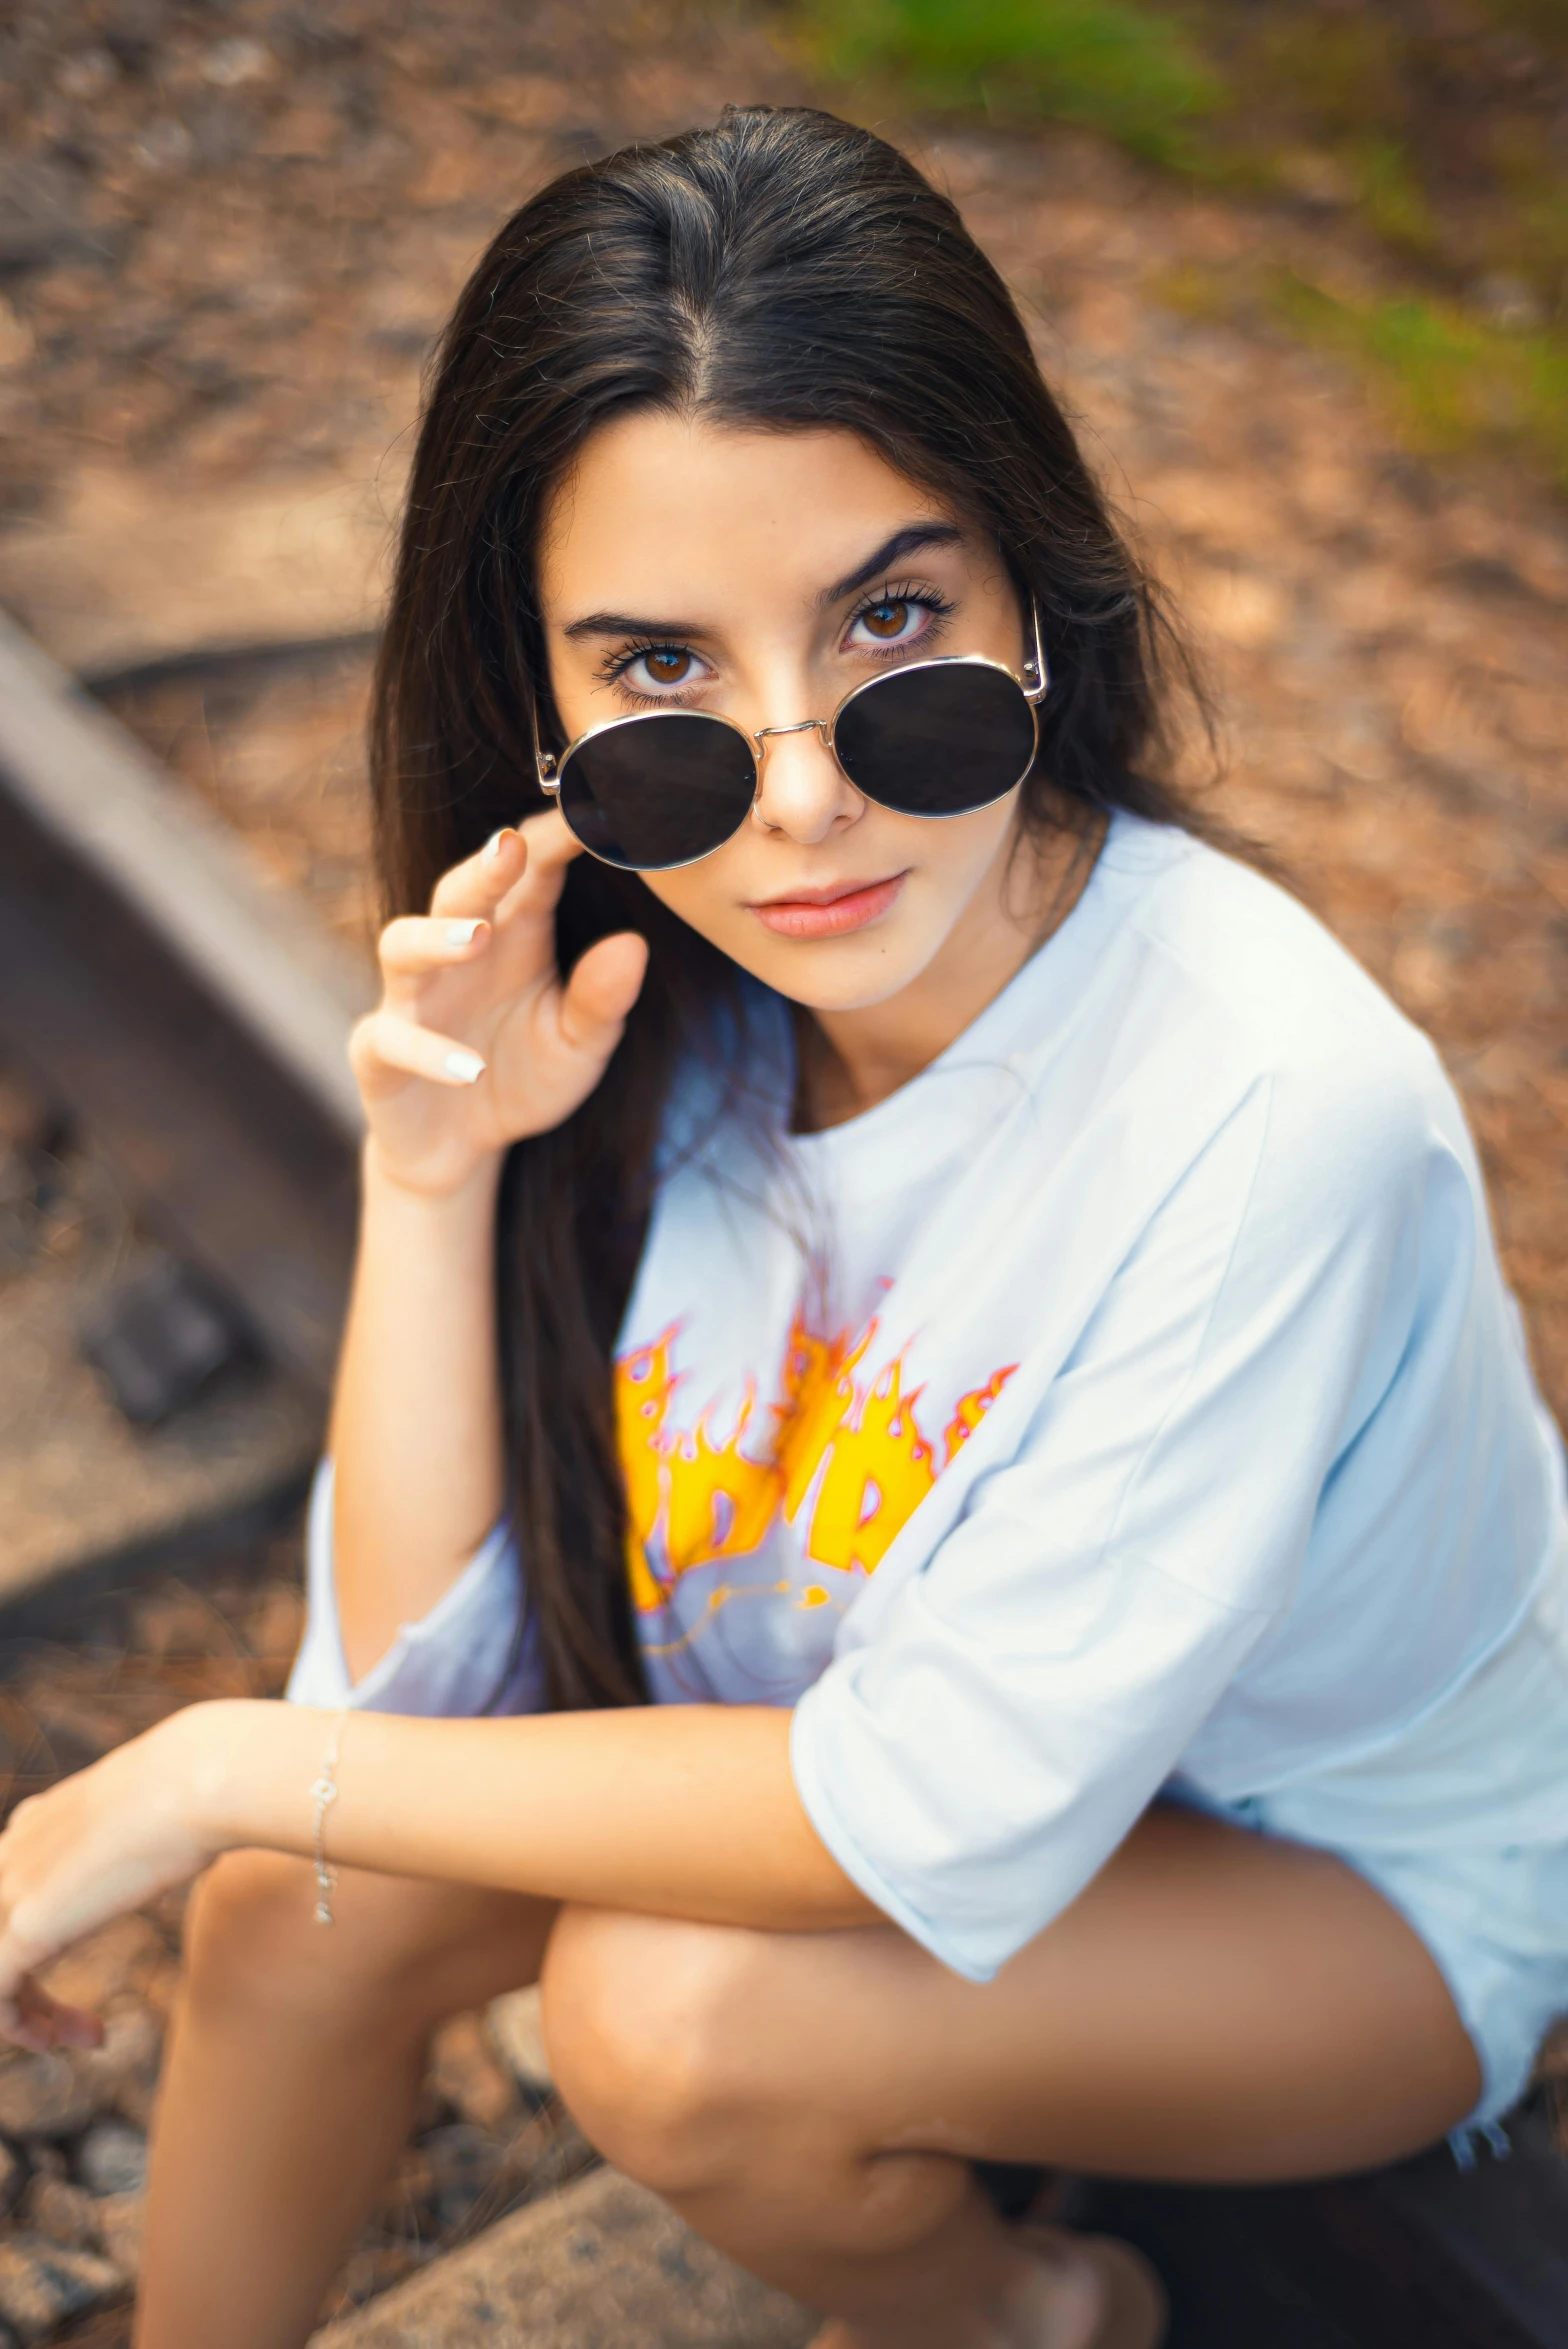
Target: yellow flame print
856, 1443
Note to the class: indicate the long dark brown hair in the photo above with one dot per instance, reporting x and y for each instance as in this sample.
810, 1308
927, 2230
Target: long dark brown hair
782, 271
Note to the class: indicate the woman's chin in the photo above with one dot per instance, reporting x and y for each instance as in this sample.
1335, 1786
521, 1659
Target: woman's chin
851, 973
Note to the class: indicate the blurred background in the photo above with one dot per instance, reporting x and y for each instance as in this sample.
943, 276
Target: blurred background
1300, 268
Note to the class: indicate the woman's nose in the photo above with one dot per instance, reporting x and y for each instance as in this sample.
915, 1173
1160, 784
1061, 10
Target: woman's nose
802, 790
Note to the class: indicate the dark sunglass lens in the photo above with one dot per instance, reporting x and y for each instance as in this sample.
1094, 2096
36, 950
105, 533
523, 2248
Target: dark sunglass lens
658, 791
937, 741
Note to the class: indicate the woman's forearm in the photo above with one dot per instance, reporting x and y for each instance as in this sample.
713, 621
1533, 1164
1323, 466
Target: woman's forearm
416, 1425
681, 1810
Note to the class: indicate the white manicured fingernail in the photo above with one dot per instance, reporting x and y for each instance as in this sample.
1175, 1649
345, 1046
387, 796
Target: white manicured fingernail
467, 1067
494, 844
461, 933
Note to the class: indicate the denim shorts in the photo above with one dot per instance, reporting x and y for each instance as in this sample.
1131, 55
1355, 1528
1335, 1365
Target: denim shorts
1461, 1822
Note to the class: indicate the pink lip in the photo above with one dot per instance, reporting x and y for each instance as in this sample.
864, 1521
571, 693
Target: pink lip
829, 913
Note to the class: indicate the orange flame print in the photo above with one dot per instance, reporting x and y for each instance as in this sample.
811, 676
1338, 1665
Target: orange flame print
970, 1409
855, 1445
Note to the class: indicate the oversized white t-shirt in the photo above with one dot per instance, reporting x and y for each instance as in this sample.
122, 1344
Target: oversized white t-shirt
1132, 1398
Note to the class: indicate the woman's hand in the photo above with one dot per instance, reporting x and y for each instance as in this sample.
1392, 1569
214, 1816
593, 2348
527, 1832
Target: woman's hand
100, 1843
477, 1041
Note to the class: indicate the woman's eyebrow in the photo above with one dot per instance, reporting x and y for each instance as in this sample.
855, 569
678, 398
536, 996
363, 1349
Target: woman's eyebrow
628, 624
904, 542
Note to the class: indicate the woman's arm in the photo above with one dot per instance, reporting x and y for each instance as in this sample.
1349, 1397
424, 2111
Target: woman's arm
416, 1422
679, 1810
675, 1810
477, 1043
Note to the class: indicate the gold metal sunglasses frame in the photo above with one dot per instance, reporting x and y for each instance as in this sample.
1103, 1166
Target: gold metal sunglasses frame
549, 767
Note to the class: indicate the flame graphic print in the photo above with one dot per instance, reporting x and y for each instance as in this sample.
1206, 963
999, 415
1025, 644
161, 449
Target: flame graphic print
848, 1446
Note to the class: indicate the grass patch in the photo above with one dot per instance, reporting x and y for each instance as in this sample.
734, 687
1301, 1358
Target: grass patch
1104, 64
1426, 141
1391, 198
1450, 379
1447, 380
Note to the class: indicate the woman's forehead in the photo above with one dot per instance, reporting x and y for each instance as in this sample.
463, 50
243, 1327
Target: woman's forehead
684, 506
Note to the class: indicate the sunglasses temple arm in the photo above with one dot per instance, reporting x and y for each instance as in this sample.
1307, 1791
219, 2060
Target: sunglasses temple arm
546, 765
1042, 684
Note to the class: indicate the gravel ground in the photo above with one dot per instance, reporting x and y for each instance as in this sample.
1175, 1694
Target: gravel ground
227, 239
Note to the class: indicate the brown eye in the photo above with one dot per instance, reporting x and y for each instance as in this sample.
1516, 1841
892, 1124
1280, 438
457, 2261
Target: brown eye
887, 620
668, 666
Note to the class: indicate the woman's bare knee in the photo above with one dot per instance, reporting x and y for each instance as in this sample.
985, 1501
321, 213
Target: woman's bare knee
400, 1951
252, 1941
644, 2019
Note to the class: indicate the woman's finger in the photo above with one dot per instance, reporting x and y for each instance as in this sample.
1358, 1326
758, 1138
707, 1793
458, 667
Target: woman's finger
385, 1050
17, 1959
601, 991
551, 848
42, 2021
519, 870
415, 945
478, 884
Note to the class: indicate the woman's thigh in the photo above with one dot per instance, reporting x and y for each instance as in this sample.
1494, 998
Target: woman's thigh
1216, 2005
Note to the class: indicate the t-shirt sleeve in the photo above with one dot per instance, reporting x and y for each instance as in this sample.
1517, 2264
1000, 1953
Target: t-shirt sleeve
474, 1652
974, 1759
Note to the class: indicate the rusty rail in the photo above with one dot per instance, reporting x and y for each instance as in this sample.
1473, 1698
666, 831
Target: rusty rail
193, 1018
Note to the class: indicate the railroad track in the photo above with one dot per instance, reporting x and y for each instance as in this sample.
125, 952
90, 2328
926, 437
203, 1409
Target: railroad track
196, 1022
192, 1018
191, 1021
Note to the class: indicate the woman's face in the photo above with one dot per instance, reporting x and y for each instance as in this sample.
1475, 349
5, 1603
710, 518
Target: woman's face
763, 575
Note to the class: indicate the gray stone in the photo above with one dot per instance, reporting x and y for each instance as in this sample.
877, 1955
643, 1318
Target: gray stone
41, 217
62, 2212
110, 2223
602, 2265
112, 2159
42, 2284
118, 2220
46, 2095
464, 2161
126, 2066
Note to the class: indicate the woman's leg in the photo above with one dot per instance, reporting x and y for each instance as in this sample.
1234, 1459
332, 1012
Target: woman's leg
1215, 2006
293, 2069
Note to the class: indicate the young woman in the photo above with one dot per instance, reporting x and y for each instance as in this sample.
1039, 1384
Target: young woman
937, 1514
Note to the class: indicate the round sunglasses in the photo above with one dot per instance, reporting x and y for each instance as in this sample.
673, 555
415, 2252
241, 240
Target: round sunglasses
934, 738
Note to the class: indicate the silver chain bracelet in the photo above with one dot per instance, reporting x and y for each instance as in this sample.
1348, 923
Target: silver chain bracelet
324, 1793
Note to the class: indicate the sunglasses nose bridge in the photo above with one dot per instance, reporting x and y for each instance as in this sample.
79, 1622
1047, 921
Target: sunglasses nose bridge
792, 798
801, 726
